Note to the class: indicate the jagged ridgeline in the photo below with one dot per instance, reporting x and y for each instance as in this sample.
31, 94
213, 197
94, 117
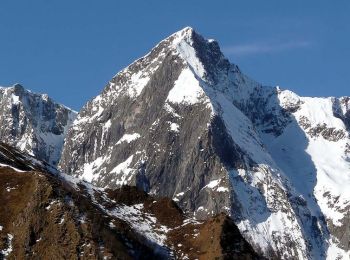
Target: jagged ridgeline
185, 123
34, 123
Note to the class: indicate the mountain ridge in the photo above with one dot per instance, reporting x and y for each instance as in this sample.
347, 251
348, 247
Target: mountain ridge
184, 123
33, 122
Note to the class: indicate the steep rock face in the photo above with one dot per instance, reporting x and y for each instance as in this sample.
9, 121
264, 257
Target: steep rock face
47, 215
33, 122
183, 122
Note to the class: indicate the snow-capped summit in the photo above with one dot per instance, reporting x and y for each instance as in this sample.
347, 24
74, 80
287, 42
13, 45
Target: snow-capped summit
33, 122
185, 123
184, 33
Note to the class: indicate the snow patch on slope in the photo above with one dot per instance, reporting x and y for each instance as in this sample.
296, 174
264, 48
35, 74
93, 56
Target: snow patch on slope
13, 168
186, 89
183, 44
319, 111
123, 172
174, 127
142, 222
128, 138
91, 170
214, 185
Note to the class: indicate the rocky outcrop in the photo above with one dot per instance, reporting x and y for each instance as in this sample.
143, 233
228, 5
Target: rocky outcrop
33, 122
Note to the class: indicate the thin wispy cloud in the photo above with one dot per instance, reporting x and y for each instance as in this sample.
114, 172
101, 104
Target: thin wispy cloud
263, 48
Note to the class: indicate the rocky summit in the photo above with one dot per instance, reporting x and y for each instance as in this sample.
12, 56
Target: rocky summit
34, 123
182, 156
183, 122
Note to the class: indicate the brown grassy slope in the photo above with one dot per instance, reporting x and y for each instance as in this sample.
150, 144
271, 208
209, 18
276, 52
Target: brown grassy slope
49, 220
215, 238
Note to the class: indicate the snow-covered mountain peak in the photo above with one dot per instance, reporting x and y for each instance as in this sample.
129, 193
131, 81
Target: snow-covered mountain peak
14, 86
20, 92
33, 122
185, 49
18, 88
184, 122
203, 56
183, 34
288, 99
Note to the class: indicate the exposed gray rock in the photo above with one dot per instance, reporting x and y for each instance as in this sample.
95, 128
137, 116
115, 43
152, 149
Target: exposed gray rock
33, 122
183, 122
328, 133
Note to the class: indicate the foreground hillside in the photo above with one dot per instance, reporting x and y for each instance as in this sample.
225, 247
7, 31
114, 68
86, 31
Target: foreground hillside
48, 215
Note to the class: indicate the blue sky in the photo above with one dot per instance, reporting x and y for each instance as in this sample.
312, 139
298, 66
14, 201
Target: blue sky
70, 49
